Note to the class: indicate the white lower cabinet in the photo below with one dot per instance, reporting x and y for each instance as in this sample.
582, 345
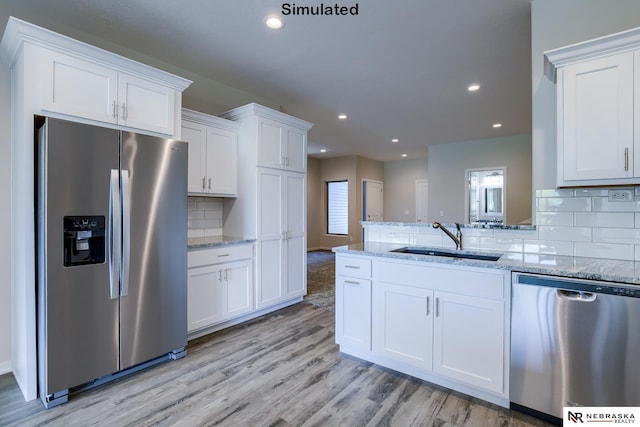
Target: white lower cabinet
468, 340
220, 285
399, 313
444, 323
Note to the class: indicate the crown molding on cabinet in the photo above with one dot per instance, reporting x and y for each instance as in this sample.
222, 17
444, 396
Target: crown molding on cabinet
623, 41
18, 32
260, 110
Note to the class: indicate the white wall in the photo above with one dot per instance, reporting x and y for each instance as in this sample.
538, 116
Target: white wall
399, 188
555, 24
447, 181
5, 216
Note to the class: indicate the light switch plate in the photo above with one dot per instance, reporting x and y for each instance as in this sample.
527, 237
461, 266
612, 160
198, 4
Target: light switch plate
621, 195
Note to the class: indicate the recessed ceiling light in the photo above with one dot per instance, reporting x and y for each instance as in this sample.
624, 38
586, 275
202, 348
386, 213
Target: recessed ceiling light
497, 125
274, 22
394, 140
323, 150
403, 155
342, 117
473, 87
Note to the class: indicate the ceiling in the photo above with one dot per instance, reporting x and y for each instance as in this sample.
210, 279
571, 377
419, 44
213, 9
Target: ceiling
398, 69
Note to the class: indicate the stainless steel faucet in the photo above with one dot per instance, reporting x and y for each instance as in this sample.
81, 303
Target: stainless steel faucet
457, 239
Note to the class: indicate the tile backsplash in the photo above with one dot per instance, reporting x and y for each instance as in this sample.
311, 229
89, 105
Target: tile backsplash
574, 222
204, 216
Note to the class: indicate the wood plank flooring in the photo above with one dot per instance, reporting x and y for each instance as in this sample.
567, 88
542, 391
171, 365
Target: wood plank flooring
282, 369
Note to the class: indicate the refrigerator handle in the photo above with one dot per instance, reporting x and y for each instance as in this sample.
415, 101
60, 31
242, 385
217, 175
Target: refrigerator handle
126, 232
114, 240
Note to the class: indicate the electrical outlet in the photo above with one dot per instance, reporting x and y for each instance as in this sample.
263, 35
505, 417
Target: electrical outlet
621, 195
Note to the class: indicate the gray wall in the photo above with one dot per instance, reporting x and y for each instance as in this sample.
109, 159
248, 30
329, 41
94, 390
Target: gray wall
446, 171
399, 188
315, 202
555, 24
354, 169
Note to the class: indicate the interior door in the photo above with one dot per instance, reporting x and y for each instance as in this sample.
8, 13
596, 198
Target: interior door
373, 201
153, 310
422, 200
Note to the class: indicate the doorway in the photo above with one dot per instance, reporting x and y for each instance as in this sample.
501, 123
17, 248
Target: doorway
485, 195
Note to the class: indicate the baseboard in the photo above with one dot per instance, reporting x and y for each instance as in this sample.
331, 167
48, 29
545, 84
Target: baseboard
5, 367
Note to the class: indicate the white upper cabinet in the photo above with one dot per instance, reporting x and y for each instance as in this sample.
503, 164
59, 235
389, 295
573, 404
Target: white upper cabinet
598, 122
213, 154
281, 146
84, 89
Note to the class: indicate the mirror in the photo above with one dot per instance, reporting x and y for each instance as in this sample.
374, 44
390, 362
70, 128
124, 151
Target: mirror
485, 195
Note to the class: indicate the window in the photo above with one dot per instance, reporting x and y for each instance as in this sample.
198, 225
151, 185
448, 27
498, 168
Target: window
338, 207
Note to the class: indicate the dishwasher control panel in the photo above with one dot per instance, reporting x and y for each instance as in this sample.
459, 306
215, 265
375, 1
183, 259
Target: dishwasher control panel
583, 285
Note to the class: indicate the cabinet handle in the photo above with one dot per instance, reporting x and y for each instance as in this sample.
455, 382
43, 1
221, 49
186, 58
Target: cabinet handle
352, 266
209, 183
203, 182
351, 282
114, 113
626, 158
226, 274
124, 111
437, 307
286, 161
220, 276
221, 255
427, 306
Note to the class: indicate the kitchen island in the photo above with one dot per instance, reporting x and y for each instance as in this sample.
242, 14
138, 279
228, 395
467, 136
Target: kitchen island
444, 319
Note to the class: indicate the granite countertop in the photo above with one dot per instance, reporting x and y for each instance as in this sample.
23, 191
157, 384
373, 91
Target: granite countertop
214, 241
555, 265
484, 225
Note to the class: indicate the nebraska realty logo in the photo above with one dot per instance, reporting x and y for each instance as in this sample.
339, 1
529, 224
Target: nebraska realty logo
604, 416
319, 9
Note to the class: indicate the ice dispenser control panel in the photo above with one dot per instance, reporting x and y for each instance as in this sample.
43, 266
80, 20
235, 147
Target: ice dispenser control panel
84, 240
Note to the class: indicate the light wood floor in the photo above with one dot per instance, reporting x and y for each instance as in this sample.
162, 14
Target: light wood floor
283, 369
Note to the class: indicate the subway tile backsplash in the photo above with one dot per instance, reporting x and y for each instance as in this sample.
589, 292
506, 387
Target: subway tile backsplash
574, 222
204, 217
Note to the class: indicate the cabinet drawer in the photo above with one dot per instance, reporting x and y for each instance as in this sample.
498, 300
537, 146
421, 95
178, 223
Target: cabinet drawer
200, 257
354, 267
463, 280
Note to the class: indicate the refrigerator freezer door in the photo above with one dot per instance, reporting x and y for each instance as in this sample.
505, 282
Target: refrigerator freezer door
153, 311
78, 321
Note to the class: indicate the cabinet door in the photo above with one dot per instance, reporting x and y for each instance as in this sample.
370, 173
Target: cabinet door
78, 88
204, 297
239, 287
353, 312
296, 245
146, 105
271, 144
402, 324
196, 136
296, 156
595, 119
468, 340
270, 240
221, 160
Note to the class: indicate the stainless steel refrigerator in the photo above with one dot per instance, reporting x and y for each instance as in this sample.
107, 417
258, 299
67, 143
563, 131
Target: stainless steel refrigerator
112, 253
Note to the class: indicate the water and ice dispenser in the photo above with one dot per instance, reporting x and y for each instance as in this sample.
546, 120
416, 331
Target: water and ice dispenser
84, 240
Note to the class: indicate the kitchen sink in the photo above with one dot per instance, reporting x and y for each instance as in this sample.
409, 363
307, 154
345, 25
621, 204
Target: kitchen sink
449, 254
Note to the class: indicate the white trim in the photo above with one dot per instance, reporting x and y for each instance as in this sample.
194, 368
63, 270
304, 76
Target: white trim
18, 32
5, 367
254, 109
602, 46
209, 120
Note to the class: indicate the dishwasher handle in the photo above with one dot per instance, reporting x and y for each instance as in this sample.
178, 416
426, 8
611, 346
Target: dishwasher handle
576, 295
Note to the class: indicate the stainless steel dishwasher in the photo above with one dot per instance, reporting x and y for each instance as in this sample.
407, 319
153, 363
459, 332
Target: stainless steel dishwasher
573, 343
